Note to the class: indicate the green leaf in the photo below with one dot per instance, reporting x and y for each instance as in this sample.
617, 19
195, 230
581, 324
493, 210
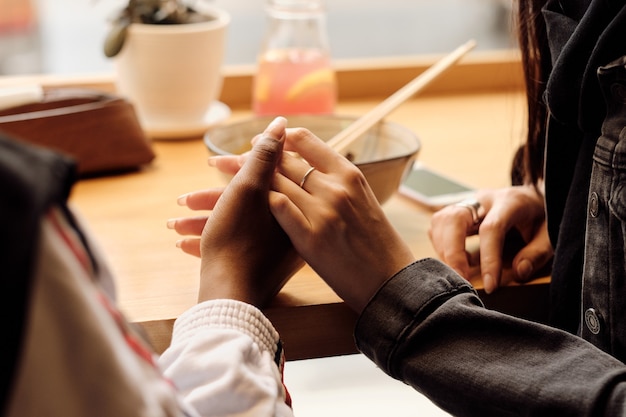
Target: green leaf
114, 40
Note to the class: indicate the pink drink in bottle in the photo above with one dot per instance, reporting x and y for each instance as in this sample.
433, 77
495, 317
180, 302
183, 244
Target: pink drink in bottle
295, 75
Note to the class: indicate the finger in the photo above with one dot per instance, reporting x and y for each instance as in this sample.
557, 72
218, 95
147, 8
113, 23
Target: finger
492, 233
501, 214
453, 252
263, 159
201, 200
188, 225
299, 197
228, 164
299, 172
449, 243
190, 246
289, 216
314, 150
518, 207
448, 231
534, 256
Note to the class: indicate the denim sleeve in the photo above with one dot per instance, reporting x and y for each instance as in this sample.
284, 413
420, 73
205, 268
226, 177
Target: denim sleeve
427, 327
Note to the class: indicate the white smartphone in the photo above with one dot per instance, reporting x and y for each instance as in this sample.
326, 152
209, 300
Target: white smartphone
433, 189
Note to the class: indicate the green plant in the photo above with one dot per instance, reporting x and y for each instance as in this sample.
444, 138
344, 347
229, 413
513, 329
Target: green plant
153, 12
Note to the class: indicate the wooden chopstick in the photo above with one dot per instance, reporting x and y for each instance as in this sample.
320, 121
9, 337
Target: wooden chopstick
343, 139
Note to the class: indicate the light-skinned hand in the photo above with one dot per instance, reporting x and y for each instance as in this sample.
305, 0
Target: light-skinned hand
518, 207
334, 221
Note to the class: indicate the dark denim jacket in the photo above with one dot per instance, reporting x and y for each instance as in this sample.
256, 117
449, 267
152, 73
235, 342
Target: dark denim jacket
583, 37
427, 327
604, 273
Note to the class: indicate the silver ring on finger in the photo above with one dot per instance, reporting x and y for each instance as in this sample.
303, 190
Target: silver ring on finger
474, 207
306, 176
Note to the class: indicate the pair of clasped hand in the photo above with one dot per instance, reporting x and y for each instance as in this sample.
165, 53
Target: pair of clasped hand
278, 212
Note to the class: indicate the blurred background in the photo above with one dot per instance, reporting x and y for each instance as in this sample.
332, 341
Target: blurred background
66, 36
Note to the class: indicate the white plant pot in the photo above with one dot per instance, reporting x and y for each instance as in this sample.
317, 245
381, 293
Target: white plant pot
173, 74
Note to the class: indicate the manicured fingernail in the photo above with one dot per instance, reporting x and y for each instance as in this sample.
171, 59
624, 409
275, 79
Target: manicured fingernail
171, 223
277, 122
182, 200
524, 269
276, 127
179, 243
212, 161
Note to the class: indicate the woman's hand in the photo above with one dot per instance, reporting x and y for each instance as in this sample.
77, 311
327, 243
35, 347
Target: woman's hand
245, 254
334, 220
518, 208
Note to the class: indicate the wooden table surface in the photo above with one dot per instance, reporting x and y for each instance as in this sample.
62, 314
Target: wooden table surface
469, 135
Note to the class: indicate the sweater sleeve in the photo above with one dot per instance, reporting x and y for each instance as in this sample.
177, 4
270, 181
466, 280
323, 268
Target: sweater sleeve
427, 327
226, 359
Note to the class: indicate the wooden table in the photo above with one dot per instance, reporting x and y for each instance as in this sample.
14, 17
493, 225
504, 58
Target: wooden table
467, 131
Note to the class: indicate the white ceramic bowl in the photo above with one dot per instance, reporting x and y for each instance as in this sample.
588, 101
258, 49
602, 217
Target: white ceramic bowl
384, 153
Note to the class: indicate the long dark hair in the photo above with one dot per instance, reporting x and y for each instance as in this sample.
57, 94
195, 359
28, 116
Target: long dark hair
536, 62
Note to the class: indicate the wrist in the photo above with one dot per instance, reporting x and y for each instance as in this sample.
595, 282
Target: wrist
359, 296
220, 282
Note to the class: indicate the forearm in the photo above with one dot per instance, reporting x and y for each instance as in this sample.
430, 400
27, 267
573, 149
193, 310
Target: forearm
225, 359
428, 328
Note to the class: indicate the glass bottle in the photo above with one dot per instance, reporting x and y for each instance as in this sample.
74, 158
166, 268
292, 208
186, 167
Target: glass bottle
295, 74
